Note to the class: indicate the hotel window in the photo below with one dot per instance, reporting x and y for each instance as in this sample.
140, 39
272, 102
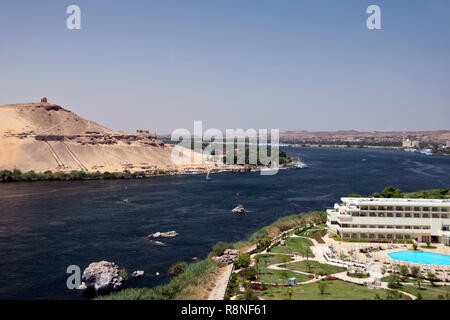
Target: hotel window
425, 209
425, 215
380, 227
407, 236
371, 236
372, 208
363, 236
381, 236
407, 208
382, 208
416, 215
390, 227
444, 216
426, 227
443, 209
354, 235
399, 208
345, 235
407, 215
434, 209
364, 208
372, 214
380, 214
389, 236
398, 227
398, 236
363, 214
355, 214
363, 226
416, 209
407, 227
399, 215
416, 227
373, 227
435, 215
389, 214
390, 208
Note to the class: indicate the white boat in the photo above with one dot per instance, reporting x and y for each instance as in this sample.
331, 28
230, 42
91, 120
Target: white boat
410, 150
427, 152
192, 172
207, 175
299, 165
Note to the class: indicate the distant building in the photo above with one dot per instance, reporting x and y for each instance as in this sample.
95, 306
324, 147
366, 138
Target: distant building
391, 218
407, 143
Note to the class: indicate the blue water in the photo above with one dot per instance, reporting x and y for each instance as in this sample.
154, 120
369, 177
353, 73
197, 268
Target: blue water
421, 257
47, 226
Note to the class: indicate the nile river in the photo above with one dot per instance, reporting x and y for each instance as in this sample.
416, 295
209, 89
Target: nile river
47, 226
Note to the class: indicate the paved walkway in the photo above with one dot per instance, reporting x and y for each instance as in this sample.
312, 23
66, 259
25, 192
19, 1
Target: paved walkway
218, 292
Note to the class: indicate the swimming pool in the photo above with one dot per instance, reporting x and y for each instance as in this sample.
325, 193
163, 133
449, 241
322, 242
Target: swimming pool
421, 257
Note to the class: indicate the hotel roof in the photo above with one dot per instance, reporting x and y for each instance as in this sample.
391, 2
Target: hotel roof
397, 201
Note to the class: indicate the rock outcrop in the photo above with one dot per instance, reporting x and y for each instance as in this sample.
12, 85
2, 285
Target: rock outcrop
102, 276
239, 209
228, 256
168, 234
137, 274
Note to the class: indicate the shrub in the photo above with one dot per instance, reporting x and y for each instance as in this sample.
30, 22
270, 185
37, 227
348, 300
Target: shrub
178, 268
242, 261
250, 295
393, 285
123, 274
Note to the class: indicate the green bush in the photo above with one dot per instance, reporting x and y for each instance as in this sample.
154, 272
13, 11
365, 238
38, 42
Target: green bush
178, 268
242, 261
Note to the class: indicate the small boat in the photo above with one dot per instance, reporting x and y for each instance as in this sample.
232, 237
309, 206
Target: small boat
126, 201
427, 152
299, 165
207, 176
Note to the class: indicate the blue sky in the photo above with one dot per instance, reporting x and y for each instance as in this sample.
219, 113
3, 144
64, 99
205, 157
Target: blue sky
292, 65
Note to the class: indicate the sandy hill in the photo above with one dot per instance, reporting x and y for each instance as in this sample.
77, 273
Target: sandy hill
43, 136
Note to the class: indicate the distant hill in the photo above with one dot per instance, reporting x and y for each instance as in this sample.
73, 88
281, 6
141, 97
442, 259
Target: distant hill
439, 136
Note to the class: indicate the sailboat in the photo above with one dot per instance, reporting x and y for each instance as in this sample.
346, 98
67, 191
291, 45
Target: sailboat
207, 176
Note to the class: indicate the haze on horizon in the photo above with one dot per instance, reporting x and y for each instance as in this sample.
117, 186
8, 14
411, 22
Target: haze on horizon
292, 65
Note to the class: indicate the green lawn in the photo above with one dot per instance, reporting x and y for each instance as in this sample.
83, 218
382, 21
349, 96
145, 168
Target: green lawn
269, 259
335, 290
280, 276
294, 245
314, 267
310, 232
276, 276
391, 278
427, 292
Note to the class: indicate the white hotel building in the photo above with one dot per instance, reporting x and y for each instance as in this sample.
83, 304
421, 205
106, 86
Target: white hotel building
388, 218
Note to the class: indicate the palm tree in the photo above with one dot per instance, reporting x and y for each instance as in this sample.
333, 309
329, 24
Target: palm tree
431, 277
289, 293
322, 287
415, 271
419, 279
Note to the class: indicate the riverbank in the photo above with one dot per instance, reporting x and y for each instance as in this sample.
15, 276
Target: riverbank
200, 278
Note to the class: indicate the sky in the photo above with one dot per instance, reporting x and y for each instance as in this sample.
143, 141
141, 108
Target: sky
290, 65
